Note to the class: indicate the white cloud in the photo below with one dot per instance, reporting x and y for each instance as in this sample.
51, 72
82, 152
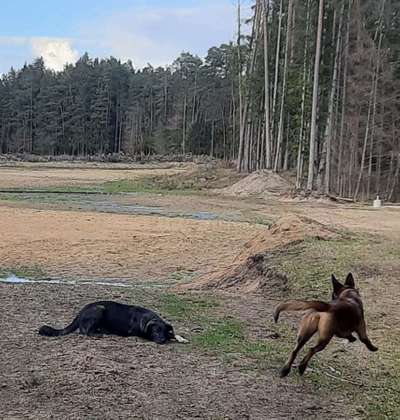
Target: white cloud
55, 52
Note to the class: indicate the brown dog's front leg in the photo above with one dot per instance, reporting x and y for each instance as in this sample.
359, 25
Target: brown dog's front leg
368, 344
362, 334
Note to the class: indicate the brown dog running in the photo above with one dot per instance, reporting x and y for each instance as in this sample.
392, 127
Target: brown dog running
340, 317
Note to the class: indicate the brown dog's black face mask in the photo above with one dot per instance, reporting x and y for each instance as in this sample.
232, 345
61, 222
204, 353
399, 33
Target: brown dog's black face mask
339, 287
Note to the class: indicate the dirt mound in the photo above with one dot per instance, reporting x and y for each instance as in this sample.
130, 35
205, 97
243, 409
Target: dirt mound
259, 183
254, 269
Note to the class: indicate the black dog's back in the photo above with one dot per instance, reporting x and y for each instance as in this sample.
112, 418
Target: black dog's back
108, 317
115, 316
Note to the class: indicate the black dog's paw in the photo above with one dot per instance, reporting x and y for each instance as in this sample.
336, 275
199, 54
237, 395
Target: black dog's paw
351, 338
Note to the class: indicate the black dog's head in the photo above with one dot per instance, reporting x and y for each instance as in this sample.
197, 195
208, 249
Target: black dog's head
159, 331
338, 287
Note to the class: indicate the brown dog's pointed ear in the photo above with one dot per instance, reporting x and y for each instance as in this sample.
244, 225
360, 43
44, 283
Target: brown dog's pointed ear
337, 286
350, 281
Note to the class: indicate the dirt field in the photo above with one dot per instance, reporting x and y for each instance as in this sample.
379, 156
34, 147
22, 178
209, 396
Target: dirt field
151, 241
92, 245
78, 174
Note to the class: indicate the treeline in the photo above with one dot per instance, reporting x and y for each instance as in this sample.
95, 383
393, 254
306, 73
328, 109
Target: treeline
105, 106
308, 86
321, 94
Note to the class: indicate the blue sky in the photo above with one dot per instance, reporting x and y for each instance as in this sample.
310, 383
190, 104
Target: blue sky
144, 31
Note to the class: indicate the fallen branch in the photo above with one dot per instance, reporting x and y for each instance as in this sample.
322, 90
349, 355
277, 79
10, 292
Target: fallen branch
339, 378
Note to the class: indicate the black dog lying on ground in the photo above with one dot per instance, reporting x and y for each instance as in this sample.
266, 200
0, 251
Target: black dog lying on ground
108, 317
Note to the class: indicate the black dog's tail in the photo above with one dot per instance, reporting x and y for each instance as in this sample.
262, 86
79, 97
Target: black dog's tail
52, 332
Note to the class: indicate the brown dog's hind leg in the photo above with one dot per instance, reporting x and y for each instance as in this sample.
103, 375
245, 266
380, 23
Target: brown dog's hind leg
308, 327
301, 341
362, 334
322, 343
325, 336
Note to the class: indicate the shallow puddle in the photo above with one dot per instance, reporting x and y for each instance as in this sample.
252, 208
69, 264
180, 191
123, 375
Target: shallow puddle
13, 279
96, 202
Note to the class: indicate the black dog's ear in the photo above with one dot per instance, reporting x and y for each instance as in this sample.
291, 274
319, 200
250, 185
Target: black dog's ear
337, 286
148, 326
350, 281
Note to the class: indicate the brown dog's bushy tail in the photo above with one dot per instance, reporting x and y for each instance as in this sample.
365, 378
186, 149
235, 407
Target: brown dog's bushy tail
52, 332
300, 305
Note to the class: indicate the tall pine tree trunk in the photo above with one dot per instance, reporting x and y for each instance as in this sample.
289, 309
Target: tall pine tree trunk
241, 111
371, 148
310, 180
340, 176
184, 124
278, 151
300, 152
276, 74
268, 145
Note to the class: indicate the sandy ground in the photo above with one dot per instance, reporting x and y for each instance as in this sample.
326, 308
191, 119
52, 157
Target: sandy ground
91, 245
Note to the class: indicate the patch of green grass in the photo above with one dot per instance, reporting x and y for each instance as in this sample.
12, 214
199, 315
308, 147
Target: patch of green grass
166, 184
34, 272
198, 181
222, 335
12, 197
188, 308
47, 198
